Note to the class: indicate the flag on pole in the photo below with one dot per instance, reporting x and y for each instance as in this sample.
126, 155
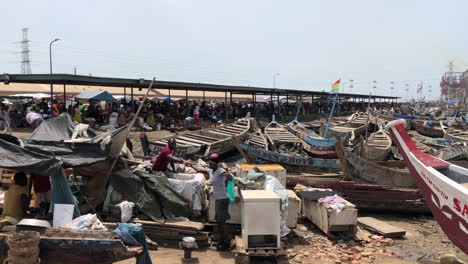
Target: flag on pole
420, 87
335, 87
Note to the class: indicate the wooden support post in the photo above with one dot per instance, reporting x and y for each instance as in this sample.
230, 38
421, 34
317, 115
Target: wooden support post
133, 102
344, 162
186, 103
226, 108
237, 145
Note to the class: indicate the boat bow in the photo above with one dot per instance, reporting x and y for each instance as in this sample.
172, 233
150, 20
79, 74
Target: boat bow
443, 185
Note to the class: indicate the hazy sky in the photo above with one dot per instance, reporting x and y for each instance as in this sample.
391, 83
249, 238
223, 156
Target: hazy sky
244, 42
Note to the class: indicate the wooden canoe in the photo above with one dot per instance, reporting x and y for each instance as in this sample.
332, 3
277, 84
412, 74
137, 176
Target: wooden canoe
321, 147
283, 141
387, 173
425, 130
257, 139
377, 146
443, 184
454, 134
437, 143
458, 152
297, 164
206, 141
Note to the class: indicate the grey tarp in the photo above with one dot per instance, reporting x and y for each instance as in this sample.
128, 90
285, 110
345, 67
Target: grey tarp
152, 194
17, 158
57, 129
52, 138
71, 154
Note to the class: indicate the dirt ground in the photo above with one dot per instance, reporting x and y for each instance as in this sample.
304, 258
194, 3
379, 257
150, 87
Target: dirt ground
424, 242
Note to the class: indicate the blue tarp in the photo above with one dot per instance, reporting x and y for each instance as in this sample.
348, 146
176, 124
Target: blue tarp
167, 99
96, 96
448, 101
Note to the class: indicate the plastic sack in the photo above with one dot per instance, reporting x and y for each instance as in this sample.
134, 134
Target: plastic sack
230, 189
126, 209
85, 222
271, 183
113, 120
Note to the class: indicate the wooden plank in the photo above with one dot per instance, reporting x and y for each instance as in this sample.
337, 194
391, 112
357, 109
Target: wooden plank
344, 162
190, 225
192, 140
198, 136
380, 227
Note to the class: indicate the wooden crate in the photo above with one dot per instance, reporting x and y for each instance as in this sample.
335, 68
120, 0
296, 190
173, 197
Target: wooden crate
6, 176
244, 256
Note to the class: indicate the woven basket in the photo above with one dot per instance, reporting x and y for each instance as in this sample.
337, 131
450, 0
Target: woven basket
8, 261
24, 241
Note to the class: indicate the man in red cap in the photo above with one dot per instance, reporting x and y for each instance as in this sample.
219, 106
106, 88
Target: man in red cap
166, 156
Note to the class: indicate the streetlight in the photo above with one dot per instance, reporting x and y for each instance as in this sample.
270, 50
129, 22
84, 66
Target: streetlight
391, 88
51, 82
407, 89
274, 79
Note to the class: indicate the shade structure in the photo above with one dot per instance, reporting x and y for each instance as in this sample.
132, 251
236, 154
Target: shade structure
96, 95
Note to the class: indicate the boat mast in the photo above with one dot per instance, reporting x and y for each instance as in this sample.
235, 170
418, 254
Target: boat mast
331, 116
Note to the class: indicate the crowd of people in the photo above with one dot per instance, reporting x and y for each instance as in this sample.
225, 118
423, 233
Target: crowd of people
160, 113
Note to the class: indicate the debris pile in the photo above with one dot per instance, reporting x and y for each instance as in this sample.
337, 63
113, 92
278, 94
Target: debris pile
310, 246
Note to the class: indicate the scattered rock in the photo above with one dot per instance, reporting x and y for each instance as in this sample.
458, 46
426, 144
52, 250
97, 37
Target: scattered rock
450, 259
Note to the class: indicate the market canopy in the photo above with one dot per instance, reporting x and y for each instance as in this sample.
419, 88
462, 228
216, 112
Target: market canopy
96, 95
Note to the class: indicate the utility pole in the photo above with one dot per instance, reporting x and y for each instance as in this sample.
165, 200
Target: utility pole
74, 70
407, 89
351, 85
25, 61
430, 91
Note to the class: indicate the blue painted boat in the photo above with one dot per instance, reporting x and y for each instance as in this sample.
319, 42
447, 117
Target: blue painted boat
323, 147
291, 163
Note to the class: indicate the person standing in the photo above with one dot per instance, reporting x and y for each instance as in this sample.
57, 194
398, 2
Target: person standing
218, 177
42, 188
196, 112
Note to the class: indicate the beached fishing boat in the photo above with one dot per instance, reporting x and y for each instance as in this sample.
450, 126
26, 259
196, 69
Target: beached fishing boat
422, 128
354, 129
437, 143
257, 139
377, 146
458, 152
292, 163
282, 141
454, 134
322, 147
206, 141
387, 173
444, 185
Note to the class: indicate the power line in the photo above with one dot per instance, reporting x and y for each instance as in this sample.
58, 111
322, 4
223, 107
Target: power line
25, 61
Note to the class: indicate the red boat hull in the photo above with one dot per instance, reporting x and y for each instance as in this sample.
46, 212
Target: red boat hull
446, 199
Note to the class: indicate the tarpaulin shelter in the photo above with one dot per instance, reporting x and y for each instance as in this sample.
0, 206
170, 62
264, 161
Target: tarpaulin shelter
167, 99
56, 144
95, 95
448, 101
